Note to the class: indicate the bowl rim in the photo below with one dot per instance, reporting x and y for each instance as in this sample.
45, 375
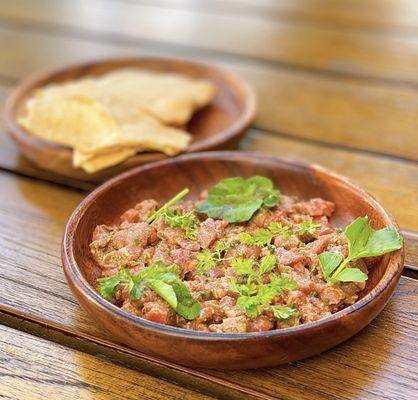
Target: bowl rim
74, 274
46, 76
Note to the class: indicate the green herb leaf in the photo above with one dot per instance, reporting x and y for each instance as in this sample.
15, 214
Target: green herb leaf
277, 229
242, 266
107, 286
363, 241
187, 306
308, 227
163, 280
329, 261
250, 305
205, 261
351, 275
237, 199
261, 238
254, 294
187, 222
284, 312
267, 263
164, 290
266, 294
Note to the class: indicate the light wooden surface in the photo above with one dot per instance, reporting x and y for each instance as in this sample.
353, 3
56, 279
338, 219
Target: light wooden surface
338, 86
34, 368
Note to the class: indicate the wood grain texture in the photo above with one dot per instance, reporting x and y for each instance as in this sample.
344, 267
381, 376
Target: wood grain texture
378, 175
371, 375
411, 247
349, 112
33, 368
32, 285
299, 46
381, 16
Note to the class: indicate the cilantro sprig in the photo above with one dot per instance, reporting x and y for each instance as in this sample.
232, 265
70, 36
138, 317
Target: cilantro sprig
363, 241
254, 295
209, 259
263, 237
308, 228
185, 221
163, 280
237, 199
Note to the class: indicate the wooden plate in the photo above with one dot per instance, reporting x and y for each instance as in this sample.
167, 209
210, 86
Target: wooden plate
161, 180
219, 125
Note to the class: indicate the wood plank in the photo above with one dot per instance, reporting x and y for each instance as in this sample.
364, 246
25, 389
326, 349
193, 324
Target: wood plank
383, 16
411, 248
33, 368
298, 46
393, 182
345, 112
32, 286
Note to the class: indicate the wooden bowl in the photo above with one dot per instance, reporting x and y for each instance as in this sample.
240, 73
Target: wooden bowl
161, 180
219, 125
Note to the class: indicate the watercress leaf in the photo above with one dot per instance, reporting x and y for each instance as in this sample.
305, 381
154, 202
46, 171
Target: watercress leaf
329, 261
187, 306
164, 290
237, 199
267, 263
239, 212
351, 275
265, 186
357, 234
364, 241
382, 241
284, 312
242, 266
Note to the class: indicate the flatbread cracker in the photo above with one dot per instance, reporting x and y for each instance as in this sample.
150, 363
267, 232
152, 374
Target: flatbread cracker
71, 120
105, 160
150, 134
172, 98
110, 118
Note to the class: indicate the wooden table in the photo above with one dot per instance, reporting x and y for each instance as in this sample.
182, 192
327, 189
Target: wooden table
338, 85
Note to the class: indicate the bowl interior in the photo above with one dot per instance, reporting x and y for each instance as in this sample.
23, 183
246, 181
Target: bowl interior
198, 172
233, 101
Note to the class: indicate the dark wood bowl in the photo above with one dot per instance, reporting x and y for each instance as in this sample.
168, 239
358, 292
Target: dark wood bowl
161, 180
220, 125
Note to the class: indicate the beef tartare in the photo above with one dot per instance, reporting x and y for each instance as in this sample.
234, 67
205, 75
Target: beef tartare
241, 258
